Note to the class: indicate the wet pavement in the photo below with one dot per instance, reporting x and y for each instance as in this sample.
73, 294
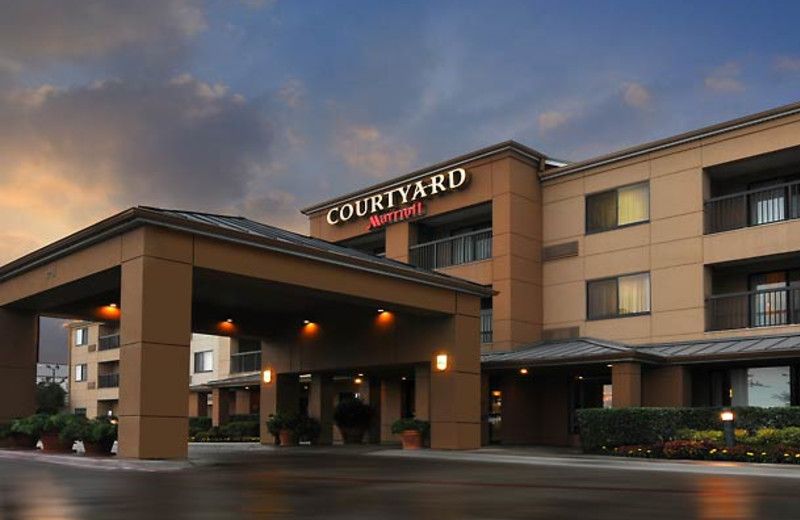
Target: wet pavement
333, 484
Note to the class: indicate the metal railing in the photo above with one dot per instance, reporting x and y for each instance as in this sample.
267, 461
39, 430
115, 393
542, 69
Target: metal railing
108, 342
246, 362
765, 308
457, 250
486, 325
753, 208
108, 381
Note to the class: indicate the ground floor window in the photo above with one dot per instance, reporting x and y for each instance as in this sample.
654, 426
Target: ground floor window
754, 386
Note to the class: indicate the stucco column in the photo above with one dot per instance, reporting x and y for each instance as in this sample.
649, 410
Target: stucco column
391, 402
422, 392
667, 386
222, 406
155, 332
626, 384
18, 353
399, 237
320, 404
455, 392
198, 404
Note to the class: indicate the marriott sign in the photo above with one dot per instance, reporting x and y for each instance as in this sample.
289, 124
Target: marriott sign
401, 203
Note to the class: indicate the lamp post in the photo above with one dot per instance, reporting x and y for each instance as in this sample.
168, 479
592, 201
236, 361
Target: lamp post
727, 427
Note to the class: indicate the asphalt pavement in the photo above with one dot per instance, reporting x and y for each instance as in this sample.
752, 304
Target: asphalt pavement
386, 484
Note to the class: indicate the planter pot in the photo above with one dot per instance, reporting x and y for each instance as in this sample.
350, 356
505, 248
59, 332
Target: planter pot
52, 444
352, 435
21, 441
286, 437
98, 449
412, 440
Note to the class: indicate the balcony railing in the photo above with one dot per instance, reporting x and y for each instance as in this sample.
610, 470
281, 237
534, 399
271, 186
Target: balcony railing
753, 208
486, 325
108, 381
765, 308
246, 362
108, 342
461, 249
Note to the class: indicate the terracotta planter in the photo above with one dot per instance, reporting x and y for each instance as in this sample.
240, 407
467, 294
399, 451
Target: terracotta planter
352, 435
412, 440
52, 444
98, 449
286, 437
21, 441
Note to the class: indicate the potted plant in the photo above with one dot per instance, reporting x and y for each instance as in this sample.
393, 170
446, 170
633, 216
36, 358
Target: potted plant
99, 436
280, 425
412, 432
61, 431
307, 430
352, 416
27, 431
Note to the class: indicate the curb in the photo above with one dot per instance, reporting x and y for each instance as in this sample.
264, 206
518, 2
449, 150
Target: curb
107, 464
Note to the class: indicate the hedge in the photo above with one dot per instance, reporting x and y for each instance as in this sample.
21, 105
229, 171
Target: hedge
608, 428
245, 417
198, 425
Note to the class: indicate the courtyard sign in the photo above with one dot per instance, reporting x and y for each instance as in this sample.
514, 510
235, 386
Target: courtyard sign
399, 203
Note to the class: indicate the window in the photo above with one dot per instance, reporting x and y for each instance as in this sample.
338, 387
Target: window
617, 208
616, 297
764, 386
203, 361
81, 336
81, 372
486, 320
80, 411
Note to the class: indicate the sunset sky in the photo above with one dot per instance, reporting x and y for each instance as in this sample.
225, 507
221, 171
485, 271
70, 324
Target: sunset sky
260, 107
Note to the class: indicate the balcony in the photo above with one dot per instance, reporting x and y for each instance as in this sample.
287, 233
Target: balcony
108, 342
108, 381
246, 362
775, 203
762, 308
486, 325
457, 250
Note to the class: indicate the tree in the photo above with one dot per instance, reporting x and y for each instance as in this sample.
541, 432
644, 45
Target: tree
49, 397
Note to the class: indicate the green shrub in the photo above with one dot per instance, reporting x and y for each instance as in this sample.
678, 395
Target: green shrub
401, 425
69, 427
5, 431
245, 417
280, 421
239, 430
648, 426
352, 413
49, 398
307, 429
32, 426
100, 431
198, 425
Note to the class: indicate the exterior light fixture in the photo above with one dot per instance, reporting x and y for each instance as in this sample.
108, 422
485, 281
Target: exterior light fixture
496, 393
360, 375
523, 371
267, 376
441, 362
306, 322
113, 305
580, 378
609, 365
229, 320
381, 311
727, 418
358, 380
403, 378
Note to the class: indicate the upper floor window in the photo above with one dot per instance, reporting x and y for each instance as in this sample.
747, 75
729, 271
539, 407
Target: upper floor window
81, 336
619, 296
618, 207
81, 372
203, 361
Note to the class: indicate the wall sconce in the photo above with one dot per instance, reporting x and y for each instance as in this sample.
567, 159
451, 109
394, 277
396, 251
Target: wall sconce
441, 362
267, 376
523, 371
358, 380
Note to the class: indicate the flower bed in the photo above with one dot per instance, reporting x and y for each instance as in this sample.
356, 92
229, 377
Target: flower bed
701, 450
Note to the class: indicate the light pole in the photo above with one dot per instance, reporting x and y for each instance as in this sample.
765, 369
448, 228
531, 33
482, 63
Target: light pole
727, 427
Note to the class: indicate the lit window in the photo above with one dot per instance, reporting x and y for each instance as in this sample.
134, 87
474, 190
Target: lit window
203, 361
80, 373
81, 336
762, 386
620, 296
619, 207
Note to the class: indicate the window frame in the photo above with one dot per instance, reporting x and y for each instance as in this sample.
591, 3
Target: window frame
616, 279
209, 369
586, 197
81, 331
83, 368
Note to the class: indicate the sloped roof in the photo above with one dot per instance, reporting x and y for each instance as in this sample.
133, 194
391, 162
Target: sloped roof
591, 350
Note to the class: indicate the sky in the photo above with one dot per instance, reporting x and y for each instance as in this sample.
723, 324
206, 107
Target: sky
261, 107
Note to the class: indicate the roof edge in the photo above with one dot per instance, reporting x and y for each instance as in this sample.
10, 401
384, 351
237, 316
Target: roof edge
443, 165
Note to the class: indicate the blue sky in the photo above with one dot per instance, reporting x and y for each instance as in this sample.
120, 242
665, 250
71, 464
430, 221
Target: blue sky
261, 107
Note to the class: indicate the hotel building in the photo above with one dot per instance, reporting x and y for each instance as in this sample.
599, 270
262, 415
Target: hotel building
493, 293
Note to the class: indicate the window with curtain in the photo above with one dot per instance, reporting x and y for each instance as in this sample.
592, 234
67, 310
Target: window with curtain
620, 296
619, 207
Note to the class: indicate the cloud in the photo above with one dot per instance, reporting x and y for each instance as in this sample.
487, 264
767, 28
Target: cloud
37, 32
636, 96
365, 149
725, 78
292, 93
550, 120
69, 156
786, 64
